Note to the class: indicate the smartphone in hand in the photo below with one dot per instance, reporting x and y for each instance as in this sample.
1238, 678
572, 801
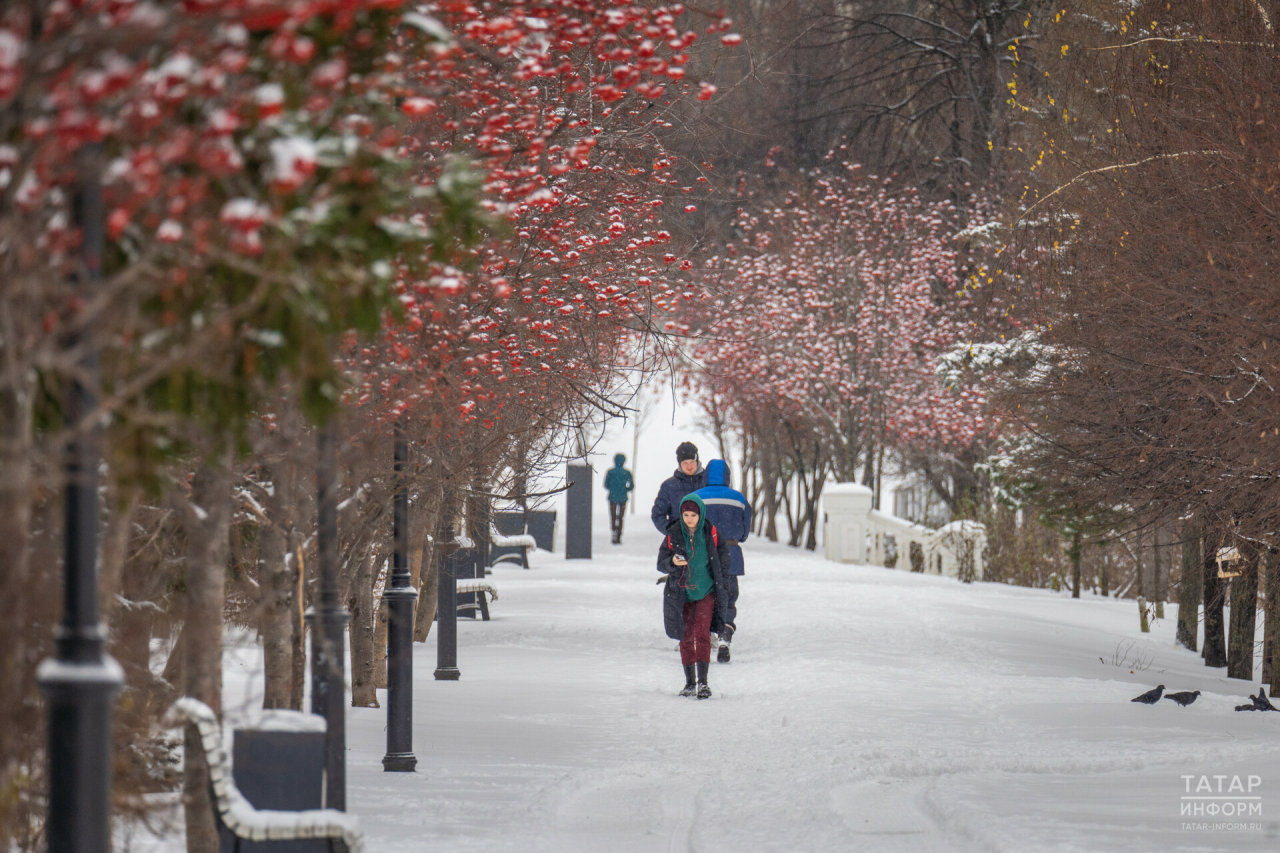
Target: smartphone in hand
679, 561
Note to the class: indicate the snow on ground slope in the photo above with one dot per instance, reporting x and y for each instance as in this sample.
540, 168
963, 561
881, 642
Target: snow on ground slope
865, 709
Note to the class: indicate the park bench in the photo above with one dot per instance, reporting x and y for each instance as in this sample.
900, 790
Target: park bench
519, 527
239, 817
522, 541
479, 587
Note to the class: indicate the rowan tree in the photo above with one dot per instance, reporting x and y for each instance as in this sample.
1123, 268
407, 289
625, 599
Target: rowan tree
832, 311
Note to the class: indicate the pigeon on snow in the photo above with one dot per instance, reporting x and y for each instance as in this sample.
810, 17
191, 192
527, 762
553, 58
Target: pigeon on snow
1185, 698
1260, 702
1151, 697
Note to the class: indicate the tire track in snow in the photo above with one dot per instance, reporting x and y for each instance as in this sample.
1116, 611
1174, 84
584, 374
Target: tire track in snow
683, 805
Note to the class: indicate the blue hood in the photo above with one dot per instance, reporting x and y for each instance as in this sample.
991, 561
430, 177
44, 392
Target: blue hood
717, 473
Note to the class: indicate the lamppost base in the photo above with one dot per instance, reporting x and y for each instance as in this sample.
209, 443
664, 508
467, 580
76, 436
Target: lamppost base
448, 673
399, 762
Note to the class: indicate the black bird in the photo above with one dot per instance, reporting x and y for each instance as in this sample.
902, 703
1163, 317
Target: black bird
1151, 697
1185, 698
1260, 702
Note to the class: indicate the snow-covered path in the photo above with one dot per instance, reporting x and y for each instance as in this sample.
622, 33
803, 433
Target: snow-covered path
865, 709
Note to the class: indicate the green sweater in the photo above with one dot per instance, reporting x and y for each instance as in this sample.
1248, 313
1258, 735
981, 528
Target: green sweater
699, 577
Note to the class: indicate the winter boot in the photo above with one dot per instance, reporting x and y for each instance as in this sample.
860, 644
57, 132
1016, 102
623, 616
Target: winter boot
704, 692
726, 637
689, 687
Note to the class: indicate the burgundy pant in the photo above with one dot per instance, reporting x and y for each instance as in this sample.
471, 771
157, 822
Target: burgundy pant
696, 645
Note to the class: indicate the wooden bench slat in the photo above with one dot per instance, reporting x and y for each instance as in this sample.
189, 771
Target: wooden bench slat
238, 814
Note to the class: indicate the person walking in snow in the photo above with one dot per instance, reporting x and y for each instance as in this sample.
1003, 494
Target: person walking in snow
688, 477
730, 512
619, 483
695, 559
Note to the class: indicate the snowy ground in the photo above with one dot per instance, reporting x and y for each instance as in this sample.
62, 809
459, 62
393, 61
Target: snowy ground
865, 709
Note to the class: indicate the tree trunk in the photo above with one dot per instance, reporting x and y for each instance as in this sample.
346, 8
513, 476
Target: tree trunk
1104, 575
1270, 631
380, 645
132, 630
771, 508
427, 599
1160, 558
793, 510
1074, 553
275, 616
422, 520
172, 671
1215, 646
16, 493
1189, 585
207, 524
115, 549
1145, 570
430, 575
360, 605
381, 620
478, 519
278, 577
1271, 628
1244, 614
812, 498
298, 637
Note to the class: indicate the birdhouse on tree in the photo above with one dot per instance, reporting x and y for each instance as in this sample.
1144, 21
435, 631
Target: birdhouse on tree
1230, 557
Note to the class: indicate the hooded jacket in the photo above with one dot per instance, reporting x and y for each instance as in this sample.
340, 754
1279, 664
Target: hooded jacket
666, 507
673, 543
728, 510
618, 481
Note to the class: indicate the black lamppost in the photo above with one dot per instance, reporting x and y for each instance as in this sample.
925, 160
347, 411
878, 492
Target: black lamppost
447, 598
329, 621
80, 683
400, 598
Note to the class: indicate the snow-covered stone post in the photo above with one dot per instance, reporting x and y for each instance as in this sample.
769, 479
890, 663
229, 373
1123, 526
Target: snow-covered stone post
400, 597
577, 513
846, 507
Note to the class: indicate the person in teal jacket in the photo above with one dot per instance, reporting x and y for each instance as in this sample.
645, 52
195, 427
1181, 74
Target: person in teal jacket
619, 483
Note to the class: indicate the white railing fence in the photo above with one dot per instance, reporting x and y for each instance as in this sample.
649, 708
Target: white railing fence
853, 532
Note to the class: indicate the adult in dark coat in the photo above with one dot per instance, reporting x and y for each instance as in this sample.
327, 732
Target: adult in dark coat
688, 477
730, 512
695, 559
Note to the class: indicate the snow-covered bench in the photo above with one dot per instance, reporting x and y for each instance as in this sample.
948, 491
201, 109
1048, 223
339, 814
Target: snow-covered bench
239, 816
523, 541
480, 587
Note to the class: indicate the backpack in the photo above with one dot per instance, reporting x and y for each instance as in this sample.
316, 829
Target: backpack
715, 538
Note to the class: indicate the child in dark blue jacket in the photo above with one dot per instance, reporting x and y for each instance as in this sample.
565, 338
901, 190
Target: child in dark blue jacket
730, 512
